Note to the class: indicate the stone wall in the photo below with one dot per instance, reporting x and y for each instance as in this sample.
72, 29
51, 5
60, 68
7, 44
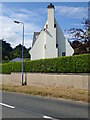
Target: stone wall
79, 81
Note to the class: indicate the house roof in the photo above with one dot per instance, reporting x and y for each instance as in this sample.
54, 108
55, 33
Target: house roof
51, 6
35, 36
16, 60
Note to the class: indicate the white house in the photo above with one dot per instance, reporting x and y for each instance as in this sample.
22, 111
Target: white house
50, 42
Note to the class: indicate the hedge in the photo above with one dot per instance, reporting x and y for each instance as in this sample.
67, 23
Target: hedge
6, 68
71, 64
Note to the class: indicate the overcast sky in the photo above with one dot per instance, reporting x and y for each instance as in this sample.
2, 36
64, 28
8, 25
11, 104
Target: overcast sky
34, 16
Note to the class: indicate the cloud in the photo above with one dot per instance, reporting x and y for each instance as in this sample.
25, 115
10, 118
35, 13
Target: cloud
11, 37
72, 12
22, 14
28, 43
12, 32
26, 12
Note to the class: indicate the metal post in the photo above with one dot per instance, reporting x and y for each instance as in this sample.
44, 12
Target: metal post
22, 46
22, 53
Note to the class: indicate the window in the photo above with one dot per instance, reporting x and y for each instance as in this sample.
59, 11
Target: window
45, 46
54, 25
63, 53
46, 26
56, 45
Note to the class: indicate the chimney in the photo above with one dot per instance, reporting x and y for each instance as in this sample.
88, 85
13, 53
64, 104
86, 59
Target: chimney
51, 15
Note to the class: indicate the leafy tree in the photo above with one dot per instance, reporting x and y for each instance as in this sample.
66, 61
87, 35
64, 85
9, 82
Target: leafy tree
80, 38
9, 53
17, 52
80, 34
6, 51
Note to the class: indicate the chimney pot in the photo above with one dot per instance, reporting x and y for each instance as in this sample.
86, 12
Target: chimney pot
51, 6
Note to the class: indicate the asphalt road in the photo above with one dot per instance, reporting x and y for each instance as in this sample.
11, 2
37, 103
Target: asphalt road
16, 105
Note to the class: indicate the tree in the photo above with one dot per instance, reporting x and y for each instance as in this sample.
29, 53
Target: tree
80, 34
17, 52
9, 53
80, 38
6, 51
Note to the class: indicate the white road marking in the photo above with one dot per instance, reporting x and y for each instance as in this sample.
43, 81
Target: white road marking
47, 117
9, 106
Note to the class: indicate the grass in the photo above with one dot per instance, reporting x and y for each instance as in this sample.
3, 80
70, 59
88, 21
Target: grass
50, 91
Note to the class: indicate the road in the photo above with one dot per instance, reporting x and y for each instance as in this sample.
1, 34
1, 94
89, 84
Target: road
15, 105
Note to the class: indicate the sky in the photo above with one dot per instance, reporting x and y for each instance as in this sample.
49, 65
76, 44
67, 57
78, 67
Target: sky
34, 16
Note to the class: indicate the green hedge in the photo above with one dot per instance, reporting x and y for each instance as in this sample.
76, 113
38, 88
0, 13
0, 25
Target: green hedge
71, 64
6, 68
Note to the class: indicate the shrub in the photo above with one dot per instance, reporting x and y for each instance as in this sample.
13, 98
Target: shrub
16, 67
71, 64
6, 68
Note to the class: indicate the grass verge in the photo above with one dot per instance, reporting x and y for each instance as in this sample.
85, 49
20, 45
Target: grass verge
50, 91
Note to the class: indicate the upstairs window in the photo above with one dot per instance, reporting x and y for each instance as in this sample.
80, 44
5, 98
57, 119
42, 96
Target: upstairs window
46, 26
63, 53
54, 25
45, 46
56, 45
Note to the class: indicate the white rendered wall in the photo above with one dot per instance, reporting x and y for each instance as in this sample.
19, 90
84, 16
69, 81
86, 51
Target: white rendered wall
69, 49
45, 45
51, 17
60, 40
51, 50
37, 51
63, 44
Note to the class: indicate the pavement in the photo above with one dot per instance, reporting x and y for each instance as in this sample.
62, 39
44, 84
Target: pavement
15, 105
